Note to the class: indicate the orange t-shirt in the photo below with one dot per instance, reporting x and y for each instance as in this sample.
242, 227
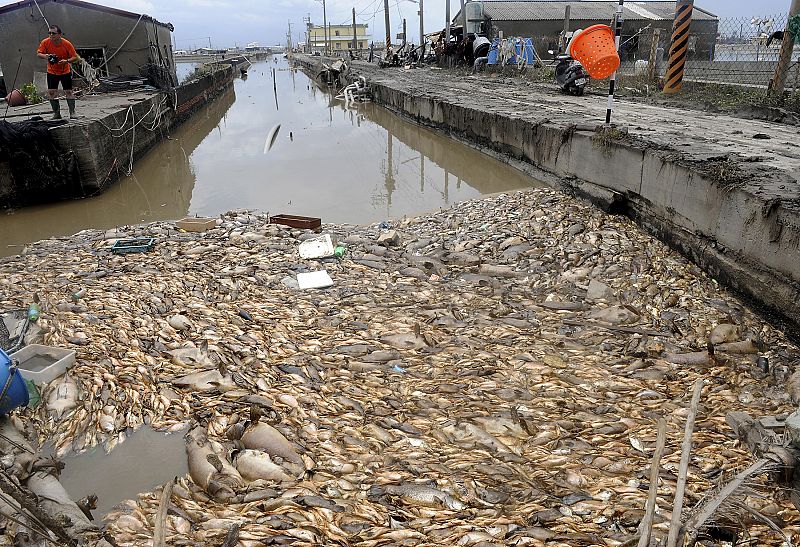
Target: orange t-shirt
64, 50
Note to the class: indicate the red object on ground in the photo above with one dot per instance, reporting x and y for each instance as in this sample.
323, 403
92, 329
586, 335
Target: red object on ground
15, 98
595, 49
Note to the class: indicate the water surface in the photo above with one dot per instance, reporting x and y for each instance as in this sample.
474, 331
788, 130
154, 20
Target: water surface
146, 459
357, 165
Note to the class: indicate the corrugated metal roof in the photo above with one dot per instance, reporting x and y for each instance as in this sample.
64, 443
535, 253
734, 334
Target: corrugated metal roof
589, 10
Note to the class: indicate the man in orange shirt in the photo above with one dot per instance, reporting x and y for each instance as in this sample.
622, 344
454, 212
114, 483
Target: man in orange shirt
59, 53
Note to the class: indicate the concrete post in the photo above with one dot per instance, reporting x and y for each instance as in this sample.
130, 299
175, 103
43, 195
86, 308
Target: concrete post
618, 22
651, 73
355, 39
447, 23
463, 22
325, 25
563, 44
778, 82
678, 47
388, 26
421, 29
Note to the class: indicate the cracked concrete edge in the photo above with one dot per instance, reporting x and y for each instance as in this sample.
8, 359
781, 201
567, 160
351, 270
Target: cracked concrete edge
739, 232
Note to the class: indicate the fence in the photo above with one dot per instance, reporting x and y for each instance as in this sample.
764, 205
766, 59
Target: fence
737, 51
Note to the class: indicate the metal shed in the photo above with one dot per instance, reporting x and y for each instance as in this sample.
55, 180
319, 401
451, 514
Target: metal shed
544, 20
115, 41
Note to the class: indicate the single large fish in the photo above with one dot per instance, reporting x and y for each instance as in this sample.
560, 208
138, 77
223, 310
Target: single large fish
273, 134
64, 397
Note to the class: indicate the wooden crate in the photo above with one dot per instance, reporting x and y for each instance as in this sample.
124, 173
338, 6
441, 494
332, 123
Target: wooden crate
297, 221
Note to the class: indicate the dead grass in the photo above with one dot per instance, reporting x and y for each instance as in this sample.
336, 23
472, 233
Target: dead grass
605, 137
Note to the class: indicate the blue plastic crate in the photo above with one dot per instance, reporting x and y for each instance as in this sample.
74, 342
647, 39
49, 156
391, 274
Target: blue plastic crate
134, 245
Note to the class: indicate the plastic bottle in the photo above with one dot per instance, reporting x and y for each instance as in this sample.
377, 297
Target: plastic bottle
33, 312
338, 252
78, 295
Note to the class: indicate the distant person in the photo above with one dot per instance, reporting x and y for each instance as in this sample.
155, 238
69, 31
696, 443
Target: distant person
59, 53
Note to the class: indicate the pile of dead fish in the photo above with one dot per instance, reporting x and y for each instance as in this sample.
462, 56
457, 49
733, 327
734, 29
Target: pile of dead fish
490, 374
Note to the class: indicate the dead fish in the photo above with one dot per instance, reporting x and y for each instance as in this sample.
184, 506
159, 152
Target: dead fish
207, 380
264, 437
220, 485
695, 358
271, 136
179, 322
417, 494
254, 465
64, 397
723, 333
745, 347
404, 340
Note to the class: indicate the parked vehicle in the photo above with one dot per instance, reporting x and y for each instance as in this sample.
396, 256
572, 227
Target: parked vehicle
570, 75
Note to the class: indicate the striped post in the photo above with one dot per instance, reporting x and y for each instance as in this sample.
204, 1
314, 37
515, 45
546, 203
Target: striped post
677, 49
613, 82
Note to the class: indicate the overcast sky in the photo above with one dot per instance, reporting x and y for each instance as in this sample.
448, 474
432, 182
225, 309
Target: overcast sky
229, 22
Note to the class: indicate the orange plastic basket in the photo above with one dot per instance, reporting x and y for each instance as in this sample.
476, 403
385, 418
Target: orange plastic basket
594, 48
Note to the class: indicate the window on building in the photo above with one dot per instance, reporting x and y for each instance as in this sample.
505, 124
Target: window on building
338, 45
337, 33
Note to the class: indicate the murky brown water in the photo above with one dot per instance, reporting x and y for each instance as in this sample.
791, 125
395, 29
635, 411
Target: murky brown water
356, 166
146, 459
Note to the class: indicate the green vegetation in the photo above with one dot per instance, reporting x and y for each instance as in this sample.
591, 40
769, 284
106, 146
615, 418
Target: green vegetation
31, 94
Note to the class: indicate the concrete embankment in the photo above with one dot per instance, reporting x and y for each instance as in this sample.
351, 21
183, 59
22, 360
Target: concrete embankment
105, 154
114, 131
722, 190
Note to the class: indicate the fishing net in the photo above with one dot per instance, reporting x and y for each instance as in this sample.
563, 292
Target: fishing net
38, 170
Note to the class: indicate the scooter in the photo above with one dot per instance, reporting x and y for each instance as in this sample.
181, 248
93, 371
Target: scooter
570, 75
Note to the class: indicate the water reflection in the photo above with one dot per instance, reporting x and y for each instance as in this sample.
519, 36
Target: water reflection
356, 165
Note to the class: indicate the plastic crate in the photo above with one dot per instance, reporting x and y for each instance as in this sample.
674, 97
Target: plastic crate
43, 364
135, 245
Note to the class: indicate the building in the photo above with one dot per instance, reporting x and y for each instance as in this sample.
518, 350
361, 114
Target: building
544, 20
114, 41
340, 37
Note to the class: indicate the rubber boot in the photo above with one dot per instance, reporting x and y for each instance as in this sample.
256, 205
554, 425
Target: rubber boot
71, 105
56, 106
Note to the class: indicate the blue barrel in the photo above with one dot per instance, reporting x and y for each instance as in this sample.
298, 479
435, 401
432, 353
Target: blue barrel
494, 51
17, 393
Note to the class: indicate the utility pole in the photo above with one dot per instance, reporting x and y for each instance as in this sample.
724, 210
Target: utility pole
421, 28
785, 59
388, 27
404, 33
289, 37
355, 39
463, 22
447, 23
325, 25
679, 46
307, 21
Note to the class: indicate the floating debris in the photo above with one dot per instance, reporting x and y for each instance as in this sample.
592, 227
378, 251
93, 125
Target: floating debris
454, 387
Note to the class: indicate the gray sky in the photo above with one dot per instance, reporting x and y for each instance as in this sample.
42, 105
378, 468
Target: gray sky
229, 22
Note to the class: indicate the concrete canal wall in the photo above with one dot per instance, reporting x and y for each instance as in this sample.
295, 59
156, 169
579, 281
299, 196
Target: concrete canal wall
115, 132
744, 234
104, 155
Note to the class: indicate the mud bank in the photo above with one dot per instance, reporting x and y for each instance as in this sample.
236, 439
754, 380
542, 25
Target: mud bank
729, 208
